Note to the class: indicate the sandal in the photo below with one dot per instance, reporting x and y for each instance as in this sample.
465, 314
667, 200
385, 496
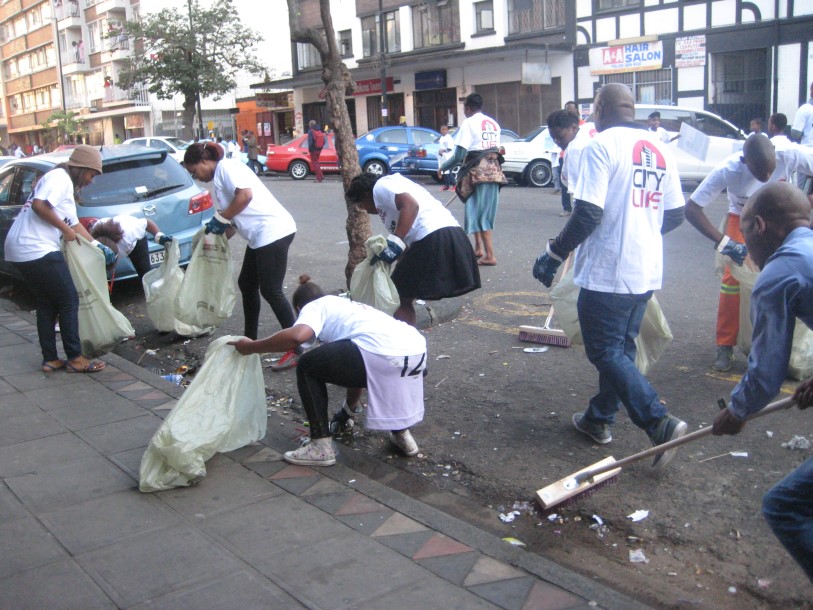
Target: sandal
93, 366
47, 367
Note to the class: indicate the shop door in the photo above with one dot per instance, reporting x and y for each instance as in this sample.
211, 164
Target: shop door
395, 110
435, 108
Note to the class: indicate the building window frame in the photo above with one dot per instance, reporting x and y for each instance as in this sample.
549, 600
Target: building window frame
344, 40
435, 25
603, 6
370, 30
527, 16
484, 17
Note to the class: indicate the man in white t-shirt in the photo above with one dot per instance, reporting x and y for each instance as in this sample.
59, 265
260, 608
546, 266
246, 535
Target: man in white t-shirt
445, 150
655, 127
740, 175
802, 131
628, 195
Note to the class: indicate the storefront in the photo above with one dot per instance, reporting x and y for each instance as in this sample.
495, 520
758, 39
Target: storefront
435, 103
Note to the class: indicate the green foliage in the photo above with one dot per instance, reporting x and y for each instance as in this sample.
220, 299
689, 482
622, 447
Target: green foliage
172, 58
66, 123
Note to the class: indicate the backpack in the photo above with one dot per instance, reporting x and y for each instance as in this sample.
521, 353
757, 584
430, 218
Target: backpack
318, 138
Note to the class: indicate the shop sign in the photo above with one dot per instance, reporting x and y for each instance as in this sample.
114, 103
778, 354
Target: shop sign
371, 86
627, 58
434, 79
133, 121
282, 100
690, 51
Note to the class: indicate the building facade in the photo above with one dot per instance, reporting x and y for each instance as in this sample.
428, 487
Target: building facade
527, 57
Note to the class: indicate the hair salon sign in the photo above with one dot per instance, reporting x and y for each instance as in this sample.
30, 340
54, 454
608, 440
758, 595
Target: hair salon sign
627, 58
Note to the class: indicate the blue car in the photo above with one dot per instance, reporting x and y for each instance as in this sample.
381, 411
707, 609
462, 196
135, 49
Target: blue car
384, 149
139, 181
424, 159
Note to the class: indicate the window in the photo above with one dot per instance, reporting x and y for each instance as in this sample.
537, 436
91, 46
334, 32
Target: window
484, 16
28, 179
604, 5
435, 24
345, 42
421, 137
6, 182
393, 136
93, 35
535, 15
370, 34
307, 56
648, 86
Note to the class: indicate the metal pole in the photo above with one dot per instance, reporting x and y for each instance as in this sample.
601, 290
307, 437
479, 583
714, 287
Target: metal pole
59, 62
383, 50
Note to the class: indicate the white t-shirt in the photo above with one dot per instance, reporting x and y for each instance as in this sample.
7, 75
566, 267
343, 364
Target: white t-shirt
264, 220
478, 132
334, 318
133, 228
634, 179
735, 177
782, 142
447, 145
573, 154
803, 122
661, 134
30, 237
431, 213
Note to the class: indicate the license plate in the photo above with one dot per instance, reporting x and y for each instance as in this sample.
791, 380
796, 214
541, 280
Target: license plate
156, 257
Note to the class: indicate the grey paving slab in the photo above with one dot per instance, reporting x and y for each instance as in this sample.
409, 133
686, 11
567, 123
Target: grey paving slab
16, 404
56, 586
20, 358
427, 593
508, 594
27, 427
34, 455
453, 568
25, 544
281, 524
102, 521
135, 569
61, 485
129, 461
6, 387
243, 590
118, 436
11, 339
366, 523
96, 412
35, 380
10, 507
89, 391
225, 487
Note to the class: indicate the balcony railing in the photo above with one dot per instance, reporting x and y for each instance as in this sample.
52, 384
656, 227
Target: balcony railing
137, 96
64, 9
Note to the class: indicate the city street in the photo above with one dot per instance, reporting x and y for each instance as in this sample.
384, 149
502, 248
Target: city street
498, 419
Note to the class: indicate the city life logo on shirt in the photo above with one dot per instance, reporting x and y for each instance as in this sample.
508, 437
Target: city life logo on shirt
649, 169
489, 134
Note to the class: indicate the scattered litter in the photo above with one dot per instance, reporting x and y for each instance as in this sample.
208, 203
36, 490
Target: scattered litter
671, 573
187, 342
732, 590
763, 583
797, 442
509, 517
151, 352
598, 519
638, 515
441, 381
733, 453
442, 357
184, 369
739, 454
457, 433
769, 433
173, 378
535, 350
637, 556
553, 517
523, 507
352, 481
514, 542
420, 302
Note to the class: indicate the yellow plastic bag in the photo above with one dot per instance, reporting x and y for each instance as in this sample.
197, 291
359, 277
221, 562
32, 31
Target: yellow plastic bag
101, 326
223, 409
207, 296
371, 283
653, 336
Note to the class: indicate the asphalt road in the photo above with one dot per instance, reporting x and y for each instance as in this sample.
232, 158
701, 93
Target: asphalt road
497, 424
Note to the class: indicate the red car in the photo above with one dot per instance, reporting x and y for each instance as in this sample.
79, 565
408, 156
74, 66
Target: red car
293, 157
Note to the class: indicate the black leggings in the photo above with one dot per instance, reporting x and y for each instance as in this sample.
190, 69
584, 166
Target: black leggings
140, 257
339, 363
263, 273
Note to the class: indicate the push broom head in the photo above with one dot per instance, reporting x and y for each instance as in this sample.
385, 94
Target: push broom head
577, 485
547, 336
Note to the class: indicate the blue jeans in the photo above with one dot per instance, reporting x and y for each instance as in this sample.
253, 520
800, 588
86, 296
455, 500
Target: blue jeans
610, 323
788, 508
55, 295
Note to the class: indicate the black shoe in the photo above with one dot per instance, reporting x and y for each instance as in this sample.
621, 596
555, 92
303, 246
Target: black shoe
669, 428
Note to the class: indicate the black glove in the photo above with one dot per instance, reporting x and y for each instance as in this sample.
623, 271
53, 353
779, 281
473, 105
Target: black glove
546, 266
217, 225
395, 247
161, 239
733, 249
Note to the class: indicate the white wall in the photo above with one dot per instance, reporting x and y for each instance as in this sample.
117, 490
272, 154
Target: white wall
787, 94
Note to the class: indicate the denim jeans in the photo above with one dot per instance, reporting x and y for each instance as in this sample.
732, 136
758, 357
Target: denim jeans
788, 508
55, 294
610, 323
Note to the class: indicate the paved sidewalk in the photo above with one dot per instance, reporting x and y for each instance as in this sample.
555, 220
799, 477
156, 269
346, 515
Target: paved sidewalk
75, 532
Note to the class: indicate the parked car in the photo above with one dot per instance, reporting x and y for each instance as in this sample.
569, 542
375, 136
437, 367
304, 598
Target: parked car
384, 149
529, 160
139, 181
174, 146
293, 158
258, 167
5, 159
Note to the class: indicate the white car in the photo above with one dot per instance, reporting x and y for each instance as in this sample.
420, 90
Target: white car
175, 146
530, 160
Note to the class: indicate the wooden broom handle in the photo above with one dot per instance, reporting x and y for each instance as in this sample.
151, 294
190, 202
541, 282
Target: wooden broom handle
778, 405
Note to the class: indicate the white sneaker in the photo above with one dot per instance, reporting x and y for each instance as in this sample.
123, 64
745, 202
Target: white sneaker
316, 453
404, 441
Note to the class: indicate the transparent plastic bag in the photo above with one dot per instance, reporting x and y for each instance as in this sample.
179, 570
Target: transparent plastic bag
371, 284
223, 409
101, 326
207, 296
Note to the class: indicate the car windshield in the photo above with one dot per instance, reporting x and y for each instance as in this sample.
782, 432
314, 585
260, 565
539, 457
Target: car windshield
533, 134
134, 180
177, 143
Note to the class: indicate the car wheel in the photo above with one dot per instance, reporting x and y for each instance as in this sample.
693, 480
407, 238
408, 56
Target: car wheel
299, 170
539, 173
375, 167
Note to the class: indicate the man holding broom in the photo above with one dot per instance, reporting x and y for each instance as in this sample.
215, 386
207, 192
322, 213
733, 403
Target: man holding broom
776, 225
628, 195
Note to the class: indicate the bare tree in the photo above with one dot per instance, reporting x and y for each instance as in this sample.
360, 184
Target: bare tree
337, 81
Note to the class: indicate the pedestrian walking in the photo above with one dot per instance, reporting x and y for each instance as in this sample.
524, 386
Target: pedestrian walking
252, 152
802, 131
776, 225
477, 143
359, 347
628, 195
247, 207
740, 175
33, 245
435, 258
777, 124
129, 234
446, 150
316, 142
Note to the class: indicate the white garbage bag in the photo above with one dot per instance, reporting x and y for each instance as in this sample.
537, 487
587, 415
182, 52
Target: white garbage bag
371, 283
223, 409
101, 326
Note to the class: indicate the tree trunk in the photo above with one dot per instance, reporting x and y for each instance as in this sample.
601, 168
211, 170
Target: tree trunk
189, 108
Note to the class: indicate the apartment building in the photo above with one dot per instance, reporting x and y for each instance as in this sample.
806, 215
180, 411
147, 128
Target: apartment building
65, 55
527, 57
